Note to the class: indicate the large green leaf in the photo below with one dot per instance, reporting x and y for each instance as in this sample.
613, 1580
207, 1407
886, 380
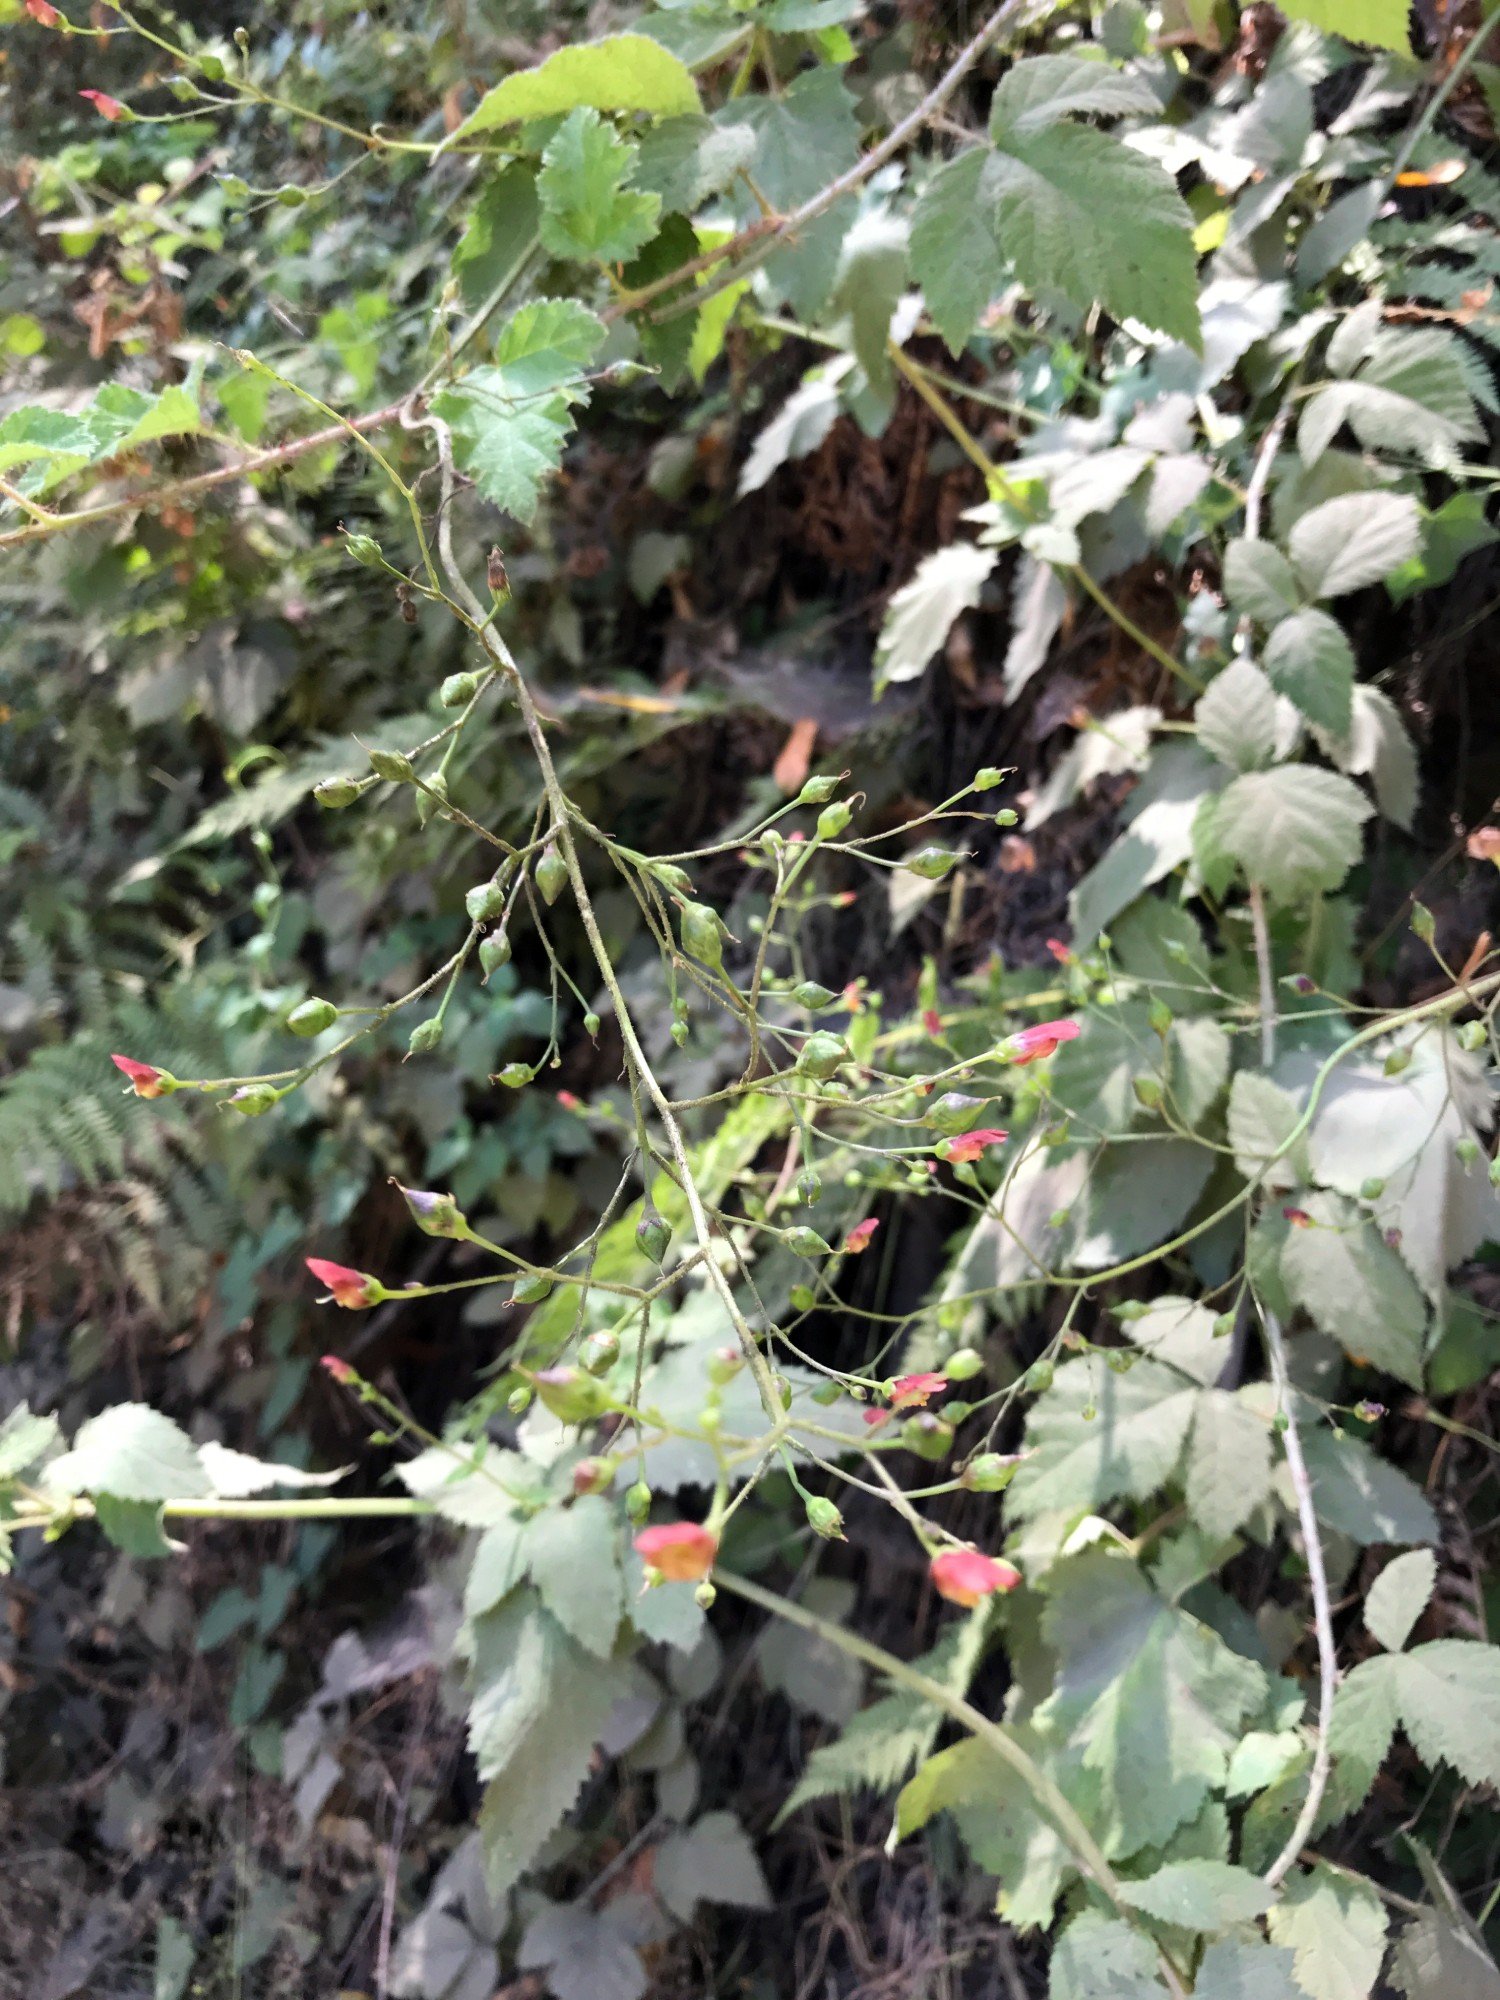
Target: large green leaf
589, 209
1103, 1958
1449, 1697
1398, 1597
1229, 1462
1335, 1928
1309, 660
574, 1558
1294, 830
1097, 1436
621, 73
999, 1821
1348, 1279
1352, 540
131, 1452
921, 613
804, 139
1200, 1895
1236, 716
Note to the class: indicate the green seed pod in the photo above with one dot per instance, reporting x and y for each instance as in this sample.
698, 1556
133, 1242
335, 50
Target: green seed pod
724, 1364
1281, 1421
1495, 1173
812, 996
518, 1402
591, 1025
825, 1519
515, 1075
638, 1500
1005, 817
672, 878
1058, 1219
1148, 1092
833, 819
494, 951
392, 765
1130, 1310
335, 793
1396, 1061
809, 1185
927, 1435
311, 1017
931, 863
1421, 922
458, 690
987, 779
784, 1392
802, 1298
817, 791
953, 1111
1471, 1036
653, 1236
805, 1242
679, 1032
484, 902
594, 1475
531, 1290
254, 1100
821, 1054
955, 1412
964, 1364
433, 795
1223, 1325
551, 874
600, 1352
1088, 1413
425, 1036
364, 549
702, 934
1038, 1378
710, 1420
1467, 1150
1161, 1018
705, 1595
434, 1214
1372, 1189
989, 1473
571, 1396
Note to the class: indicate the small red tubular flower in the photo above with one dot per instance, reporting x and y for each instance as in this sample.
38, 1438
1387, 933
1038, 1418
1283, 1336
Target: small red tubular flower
970, 1146
1063, 953
144, 1079
678, 1551
932, 1022
106, 106
963, 1576
860, 1235
350, 1289
1033, 1043
909, 1392
43, 12
339, 1369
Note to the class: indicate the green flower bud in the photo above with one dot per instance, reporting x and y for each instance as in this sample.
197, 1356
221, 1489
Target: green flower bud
825, 1519
1471, 1036
334, 793
600, 1352
653, 1236
594, 1475
817, 791
392, 765
494, 951
1038, 1378
531, 1290
672, 878
833, 819
784, 1392
1495, 1173
805, 1242
987, 779
311, 1017
363, 548
254, 1100
1421, 922
458, 690
434, 1214
821, 1054
484, 902
724, 1364
1372, 1189
518, 1402
515, 1075
953, 1111
551, 874
432, 795
927, 1435
1223, 1325
425, 1036
1396, 1061
638, 1500
571, 1396
989, 1473
679, 1032
964, 1364
702, 934
955, 1412
802, 1298
1005, 817
1058, 1219
809, 1185
1147, 1092
710, 1420
591, 1025
931, 863
705, 1595
812, 996
1467, 1150
1161, 1018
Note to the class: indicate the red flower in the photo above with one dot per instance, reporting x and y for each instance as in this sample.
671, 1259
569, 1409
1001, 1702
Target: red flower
932, 1022
43, 11
859, 1236
679, 1551
874, 1418
1298, 1218
569, 1100
1060, 951
351, 1289
106, 106
909, 1392
144, 1079
969, 1146
853, 997
1038, 1041
338, 1369
963, 1576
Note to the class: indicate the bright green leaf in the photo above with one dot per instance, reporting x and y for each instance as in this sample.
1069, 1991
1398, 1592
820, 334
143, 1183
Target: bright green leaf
620, 73
589, 210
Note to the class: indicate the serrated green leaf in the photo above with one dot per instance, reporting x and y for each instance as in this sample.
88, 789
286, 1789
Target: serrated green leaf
1198, 1057
131, 1452
1128, 1449
1236, 716
1137, 1195
589, 209
547, 344
1398, 1597
1378, 747
474, 1486
922, 612
684, 160
620, 73
711, 1861
1294, 830
24, 1438
1335, 1929
1103, 1958
1438, 1959
804, 139
1262, 1116
1363, 1496
508, 447
1410, 395
1259, 580
1200, 1895
499, 232
1040, 91
1353, 540
1383, 22
1229, 1463
868, 285
1308, 659
133, 1526
1348, 1280
498, 1565
544, 1772
574, 1558
1449, 1696
234, 1475
1237, 1970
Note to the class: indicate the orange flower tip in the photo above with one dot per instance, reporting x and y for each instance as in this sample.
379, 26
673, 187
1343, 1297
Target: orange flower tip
861, 1235
144, 1079
43, 12
337, 1367
964, 1576
351, 1289
853, 998
1297, 1217
909, 1392
970, 1146
678, 1551
106, 106
1035, 1042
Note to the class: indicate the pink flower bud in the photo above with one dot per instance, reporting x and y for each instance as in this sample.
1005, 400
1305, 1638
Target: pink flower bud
106, 106
434, 1214
42, 11
860, 1236
678, 1551
1033, 1043
569, 1100
350, 1289
337, 1368
970, 1146
963, 1576
145, 1080
1061, 952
